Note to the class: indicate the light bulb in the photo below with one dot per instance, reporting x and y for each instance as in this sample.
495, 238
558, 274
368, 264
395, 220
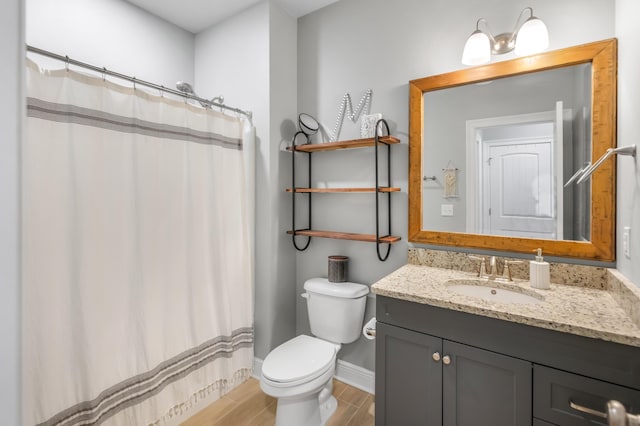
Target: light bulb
477, 49
532, 37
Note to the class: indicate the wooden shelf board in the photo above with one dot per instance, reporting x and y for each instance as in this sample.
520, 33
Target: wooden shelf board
328, 190
355, 143
369, 238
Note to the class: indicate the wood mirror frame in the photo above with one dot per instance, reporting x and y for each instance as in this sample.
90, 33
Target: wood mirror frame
603, 58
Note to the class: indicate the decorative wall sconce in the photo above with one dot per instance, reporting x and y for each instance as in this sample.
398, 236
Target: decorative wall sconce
528, 37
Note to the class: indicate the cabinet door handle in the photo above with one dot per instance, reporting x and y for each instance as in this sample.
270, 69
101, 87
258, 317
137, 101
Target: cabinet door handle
436, 356
587, 410
616, 413
446, 360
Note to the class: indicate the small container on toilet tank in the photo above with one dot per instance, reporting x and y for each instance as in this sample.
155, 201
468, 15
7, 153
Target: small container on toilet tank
338, 269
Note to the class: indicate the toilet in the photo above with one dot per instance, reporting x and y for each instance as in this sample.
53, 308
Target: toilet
299, 372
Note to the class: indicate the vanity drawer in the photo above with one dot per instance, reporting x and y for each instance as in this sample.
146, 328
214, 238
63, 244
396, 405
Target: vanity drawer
553, 390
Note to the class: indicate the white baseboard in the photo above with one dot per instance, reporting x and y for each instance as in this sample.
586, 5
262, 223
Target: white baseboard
356, 376
346, 372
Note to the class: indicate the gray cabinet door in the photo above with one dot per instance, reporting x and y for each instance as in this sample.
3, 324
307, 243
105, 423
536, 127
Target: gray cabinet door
408, 380
484, 388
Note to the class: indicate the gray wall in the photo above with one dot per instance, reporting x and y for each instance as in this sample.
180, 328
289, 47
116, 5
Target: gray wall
251, 59
11, 112
628, 204
279, 298
353, 45
113, 34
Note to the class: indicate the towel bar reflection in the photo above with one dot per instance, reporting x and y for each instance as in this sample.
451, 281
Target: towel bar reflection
625, 150
578, 173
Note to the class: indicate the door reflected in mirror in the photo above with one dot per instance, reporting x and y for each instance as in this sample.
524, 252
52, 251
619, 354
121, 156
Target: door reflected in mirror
514, 141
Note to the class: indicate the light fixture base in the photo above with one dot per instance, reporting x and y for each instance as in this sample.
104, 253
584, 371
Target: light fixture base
503, 43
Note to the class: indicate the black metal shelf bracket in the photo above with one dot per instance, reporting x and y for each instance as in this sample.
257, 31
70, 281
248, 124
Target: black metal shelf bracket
293, 192
377, 192
381, 127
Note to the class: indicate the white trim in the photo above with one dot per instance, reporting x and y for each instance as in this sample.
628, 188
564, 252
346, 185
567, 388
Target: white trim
346, 372
356, 376
473, 201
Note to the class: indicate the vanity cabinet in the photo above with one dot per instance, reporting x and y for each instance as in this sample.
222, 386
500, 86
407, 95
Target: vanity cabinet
497, 373
427, 380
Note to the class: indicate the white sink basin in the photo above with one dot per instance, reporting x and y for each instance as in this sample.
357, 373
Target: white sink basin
490, 292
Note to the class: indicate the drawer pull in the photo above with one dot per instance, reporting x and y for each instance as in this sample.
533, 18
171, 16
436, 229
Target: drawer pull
436, 356
587, 410
446, 360
616, 413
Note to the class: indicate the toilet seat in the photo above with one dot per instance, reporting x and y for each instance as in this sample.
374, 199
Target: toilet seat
299, 360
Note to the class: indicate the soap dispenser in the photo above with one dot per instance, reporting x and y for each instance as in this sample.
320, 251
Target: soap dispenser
539, 272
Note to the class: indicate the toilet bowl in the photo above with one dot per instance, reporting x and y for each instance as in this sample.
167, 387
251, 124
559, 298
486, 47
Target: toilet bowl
299, 373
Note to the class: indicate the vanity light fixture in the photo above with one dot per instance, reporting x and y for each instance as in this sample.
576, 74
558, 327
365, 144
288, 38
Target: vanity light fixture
528, 37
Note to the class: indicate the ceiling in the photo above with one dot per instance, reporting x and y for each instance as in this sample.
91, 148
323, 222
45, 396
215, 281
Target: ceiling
198, 15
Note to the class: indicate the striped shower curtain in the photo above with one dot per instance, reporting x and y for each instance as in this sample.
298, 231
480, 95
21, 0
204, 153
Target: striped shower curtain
137, 253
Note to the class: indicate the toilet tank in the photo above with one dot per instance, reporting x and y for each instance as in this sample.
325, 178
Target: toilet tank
336, 310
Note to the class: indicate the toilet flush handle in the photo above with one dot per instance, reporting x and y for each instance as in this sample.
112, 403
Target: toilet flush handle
305, 295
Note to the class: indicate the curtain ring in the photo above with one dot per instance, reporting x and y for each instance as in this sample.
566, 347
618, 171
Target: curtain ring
104, 73
162, 91
66, 63
134, 83
218, 100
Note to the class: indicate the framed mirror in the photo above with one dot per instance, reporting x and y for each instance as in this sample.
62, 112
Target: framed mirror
492, 150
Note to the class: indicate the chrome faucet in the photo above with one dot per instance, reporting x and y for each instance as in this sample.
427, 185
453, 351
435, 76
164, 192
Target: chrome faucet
482, 268
493, 270
488, 268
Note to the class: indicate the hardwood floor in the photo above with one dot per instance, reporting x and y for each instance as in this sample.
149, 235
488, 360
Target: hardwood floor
248, 405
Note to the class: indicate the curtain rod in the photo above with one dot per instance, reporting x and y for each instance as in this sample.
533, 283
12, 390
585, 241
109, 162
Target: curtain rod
135, 80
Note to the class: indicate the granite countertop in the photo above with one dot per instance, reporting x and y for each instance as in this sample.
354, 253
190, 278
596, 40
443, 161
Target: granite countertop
589, 312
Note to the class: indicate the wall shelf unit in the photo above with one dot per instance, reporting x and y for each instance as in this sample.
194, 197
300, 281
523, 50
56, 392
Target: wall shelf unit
377, 190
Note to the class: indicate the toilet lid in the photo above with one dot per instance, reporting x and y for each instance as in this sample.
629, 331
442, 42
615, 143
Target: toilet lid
300, 357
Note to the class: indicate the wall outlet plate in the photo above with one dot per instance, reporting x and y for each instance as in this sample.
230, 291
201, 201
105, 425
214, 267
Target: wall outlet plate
446, 209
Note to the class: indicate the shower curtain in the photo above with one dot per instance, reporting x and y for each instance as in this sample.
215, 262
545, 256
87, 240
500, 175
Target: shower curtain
137, 253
